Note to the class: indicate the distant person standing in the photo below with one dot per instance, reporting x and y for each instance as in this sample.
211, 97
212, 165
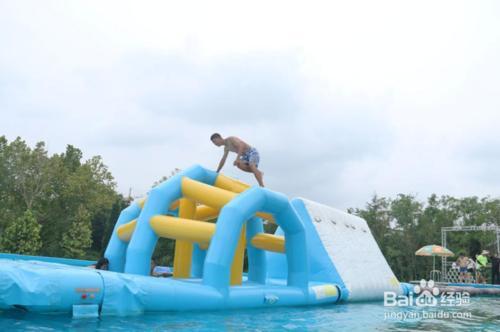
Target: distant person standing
247, 158
462, 265
495, 269
471, 268
482, 261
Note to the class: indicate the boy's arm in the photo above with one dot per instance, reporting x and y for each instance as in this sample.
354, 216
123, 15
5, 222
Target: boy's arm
222, 161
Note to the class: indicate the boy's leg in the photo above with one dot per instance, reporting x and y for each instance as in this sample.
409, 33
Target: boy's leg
243, 166
257, 173
251, 168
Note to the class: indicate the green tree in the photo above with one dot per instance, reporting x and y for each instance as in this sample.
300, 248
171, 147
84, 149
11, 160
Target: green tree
28, 170
406, 212
23, 178
77, 239
54, 188
22, 236
377, 215
77, 183
403, 225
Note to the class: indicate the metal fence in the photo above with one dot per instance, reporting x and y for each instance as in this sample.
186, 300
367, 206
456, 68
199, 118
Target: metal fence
453, 275
445, 265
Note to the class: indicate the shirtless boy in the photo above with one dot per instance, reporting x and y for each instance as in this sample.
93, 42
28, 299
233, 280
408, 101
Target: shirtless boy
247, 158
462, 263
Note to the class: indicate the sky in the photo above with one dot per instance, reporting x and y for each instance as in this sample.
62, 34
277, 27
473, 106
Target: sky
343, 99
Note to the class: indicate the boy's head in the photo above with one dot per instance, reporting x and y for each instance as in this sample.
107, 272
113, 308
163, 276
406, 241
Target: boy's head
217, 139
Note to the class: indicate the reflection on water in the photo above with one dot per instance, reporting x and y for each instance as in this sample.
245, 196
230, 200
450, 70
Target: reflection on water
483, 314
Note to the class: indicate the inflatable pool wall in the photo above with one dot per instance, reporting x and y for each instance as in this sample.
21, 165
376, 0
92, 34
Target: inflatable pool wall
318, 255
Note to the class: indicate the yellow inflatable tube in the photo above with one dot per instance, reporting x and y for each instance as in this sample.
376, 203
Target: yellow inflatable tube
184, 249
201, 232
188, 231
183, 229
214, 197
227, 183
203, 193
203, 212
269, 242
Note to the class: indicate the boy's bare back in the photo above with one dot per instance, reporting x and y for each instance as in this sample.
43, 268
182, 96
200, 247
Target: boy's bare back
235, 144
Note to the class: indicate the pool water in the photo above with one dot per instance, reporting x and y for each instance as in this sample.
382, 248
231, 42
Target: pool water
482, 314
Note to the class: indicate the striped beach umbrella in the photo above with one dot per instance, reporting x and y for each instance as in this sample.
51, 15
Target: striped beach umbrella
434, 250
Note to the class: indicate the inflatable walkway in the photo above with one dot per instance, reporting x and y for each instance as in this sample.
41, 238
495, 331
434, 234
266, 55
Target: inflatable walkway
318, 255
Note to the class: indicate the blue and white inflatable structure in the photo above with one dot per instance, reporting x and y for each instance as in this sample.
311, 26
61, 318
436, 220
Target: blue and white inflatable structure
318, 255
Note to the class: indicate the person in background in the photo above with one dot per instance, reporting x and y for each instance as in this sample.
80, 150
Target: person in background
159, 271
471, 266
495, 269
481, 262
462, 267
102, 264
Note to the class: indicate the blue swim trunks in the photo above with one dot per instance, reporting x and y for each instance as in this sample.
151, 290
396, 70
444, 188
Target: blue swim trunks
251, 156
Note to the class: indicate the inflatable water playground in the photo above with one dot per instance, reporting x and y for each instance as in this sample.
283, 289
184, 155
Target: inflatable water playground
318, 255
